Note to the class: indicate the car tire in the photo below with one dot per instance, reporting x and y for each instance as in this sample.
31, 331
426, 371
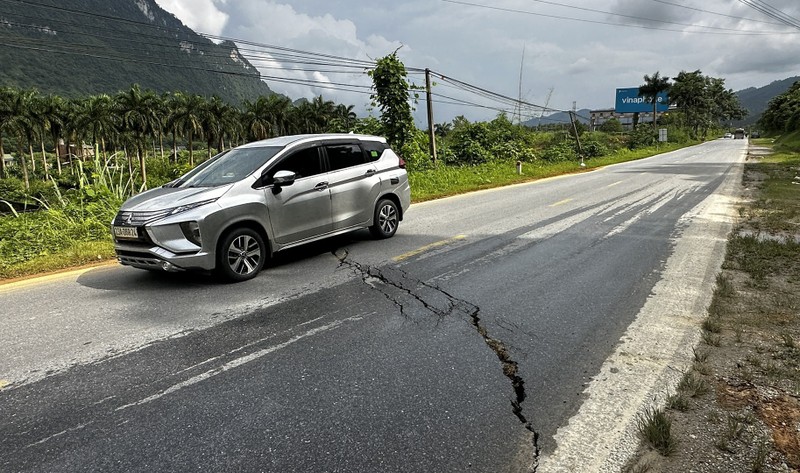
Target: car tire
241, 255
386, 219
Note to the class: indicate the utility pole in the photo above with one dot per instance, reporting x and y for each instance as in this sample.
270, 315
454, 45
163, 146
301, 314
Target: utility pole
575, 129
519, 103
431, 134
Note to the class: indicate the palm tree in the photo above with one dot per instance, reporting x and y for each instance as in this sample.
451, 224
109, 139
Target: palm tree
139, 117
97, 118
185, 111
21, 123
652, 87
345, 118
53, 111
257, 118
211, 122
7, 97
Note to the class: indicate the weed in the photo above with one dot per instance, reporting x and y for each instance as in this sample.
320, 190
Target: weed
734, 427
655, 427
700, 356
702, 368
678, 402
724, 287
759, 463
713, 325
711, 339
693, 386
753, 360
788, 341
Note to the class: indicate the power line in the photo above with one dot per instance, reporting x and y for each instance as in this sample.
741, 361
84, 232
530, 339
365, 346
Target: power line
631, 17
716, 13
598, 22
772, 12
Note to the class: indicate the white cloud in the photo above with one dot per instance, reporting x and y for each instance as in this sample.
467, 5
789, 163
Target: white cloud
583, 61
202, 16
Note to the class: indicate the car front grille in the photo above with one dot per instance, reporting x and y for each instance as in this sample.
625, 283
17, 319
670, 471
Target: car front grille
129, 218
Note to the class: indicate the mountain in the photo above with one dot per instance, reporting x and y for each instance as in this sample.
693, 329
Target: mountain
755, 100
559, 118
76, 48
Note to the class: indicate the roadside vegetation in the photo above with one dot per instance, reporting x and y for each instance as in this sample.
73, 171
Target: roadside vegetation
74, 161
737, 409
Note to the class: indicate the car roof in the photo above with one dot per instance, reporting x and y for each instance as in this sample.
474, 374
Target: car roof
295, 139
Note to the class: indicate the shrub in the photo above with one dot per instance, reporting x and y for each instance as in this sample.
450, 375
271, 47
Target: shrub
563, 151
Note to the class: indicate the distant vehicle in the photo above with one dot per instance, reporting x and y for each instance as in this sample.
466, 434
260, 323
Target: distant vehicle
728, 135
232, 212
739, 134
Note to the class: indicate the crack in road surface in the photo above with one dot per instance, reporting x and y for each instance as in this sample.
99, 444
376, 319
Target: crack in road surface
367, 273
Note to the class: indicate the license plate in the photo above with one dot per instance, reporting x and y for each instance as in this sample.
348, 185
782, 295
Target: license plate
126, 232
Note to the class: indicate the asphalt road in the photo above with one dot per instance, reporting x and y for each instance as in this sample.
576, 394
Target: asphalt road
504, 330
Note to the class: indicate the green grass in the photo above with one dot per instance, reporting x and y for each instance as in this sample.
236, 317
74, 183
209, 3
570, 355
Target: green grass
656, 428
443, 181
78, 254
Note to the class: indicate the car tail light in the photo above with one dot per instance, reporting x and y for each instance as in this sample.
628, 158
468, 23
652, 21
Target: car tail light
402, 163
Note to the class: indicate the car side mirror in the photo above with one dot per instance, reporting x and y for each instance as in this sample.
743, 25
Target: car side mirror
284, 178
280, 180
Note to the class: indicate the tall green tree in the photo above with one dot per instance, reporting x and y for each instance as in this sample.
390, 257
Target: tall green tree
688, 92
185, 118
138, 112
257, 118
783, 112
391, 95
97, 118
7, 97
652, 87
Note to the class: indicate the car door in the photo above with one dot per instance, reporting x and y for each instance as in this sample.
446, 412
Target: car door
354, 184
303, 209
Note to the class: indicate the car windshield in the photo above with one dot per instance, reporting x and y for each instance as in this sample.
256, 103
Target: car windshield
228, 167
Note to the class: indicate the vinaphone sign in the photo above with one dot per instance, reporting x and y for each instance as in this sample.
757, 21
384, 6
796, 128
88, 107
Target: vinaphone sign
629, 101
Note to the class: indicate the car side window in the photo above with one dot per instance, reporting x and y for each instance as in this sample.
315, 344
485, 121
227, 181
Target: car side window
303, 163
374, 150
344, 156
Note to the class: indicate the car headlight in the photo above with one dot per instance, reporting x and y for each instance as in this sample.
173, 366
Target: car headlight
184, 208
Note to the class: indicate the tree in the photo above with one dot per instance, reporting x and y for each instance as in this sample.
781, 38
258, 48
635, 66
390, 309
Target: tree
7, 97
390, 94
139, 118
688, 92
783, 112
22, 124
96, 117
185, 117
652, 87
54, 111
257, 118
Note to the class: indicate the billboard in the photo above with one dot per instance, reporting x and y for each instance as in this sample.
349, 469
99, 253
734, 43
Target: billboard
628, 101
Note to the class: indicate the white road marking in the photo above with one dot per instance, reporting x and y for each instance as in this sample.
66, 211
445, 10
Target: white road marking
241, 361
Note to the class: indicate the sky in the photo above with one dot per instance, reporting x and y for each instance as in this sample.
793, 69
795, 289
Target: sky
565, 51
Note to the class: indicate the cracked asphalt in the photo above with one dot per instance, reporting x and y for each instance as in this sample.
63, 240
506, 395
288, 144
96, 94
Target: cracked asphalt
476, 339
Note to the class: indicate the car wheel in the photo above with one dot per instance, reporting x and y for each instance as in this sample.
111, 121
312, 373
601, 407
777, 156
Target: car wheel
386, 219
241, 255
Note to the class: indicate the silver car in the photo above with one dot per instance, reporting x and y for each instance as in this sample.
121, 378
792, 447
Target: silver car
232, 212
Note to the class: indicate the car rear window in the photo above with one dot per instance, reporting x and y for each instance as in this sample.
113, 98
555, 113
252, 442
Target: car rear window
344, 156
374, 149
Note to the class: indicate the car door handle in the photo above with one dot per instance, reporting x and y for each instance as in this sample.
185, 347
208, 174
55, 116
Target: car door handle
321, 186
370, 172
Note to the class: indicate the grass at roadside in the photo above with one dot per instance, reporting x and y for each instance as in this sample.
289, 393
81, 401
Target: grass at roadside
745, 417
443, 181
71, 244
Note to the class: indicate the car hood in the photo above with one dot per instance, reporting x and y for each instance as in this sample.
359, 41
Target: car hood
163, 198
